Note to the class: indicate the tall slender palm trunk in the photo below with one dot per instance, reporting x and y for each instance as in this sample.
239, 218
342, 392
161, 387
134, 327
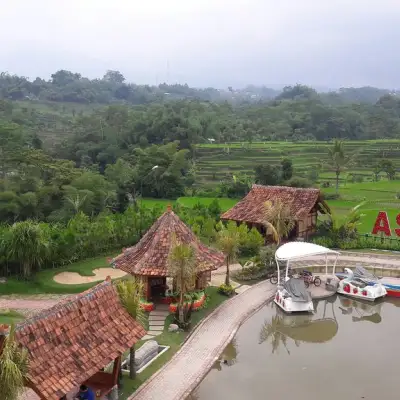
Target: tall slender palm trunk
227, 277
181, 316
337, 181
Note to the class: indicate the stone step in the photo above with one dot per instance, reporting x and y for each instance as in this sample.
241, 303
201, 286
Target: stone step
157, 318
156, 323
159, 313
156, 327
147, 337
154, 333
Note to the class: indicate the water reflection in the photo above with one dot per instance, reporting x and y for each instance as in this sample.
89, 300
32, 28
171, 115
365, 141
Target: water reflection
303, 328
361, 311
228, 356
326, 345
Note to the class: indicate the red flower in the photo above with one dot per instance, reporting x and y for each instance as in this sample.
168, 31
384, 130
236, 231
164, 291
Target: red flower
355, 290
364, 292
346, 288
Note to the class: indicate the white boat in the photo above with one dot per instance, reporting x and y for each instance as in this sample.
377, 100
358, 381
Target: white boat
361, 284
292, 295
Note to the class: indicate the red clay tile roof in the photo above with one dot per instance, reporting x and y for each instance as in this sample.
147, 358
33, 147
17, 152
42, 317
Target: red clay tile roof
252, 207
150, 256
70, 342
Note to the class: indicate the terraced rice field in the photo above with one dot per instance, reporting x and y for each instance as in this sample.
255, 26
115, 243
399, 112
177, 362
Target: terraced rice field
216, 161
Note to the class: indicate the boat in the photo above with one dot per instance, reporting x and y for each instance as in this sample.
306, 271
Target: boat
361, 284
392, 285
292, 295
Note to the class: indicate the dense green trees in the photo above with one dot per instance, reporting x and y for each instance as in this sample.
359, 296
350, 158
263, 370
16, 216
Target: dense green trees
61, 154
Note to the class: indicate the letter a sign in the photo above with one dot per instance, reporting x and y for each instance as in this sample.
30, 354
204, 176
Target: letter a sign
382, 224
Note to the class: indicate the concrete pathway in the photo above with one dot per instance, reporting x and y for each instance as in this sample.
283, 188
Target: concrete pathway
187, 368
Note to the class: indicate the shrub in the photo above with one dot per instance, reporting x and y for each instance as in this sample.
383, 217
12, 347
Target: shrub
331, 196
299, 182
348, 244
252, 273
252, 242
267, 256
324, 241
226, 290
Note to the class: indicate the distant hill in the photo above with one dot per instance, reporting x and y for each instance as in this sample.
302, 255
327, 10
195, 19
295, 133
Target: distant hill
70, 87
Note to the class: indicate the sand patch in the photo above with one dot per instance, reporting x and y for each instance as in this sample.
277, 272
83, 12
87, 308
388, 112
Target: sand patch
100, 274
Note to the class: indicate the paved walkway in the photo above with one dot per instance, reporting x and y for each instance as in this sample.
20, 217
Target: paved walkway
192, 362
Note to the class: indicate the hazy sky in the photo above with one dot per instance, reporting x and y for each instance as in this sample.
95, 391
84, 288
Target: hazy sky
219, 43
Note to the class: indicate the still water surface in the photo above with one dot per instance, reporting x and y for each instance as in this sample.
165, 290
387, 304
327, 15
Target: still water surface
347, 350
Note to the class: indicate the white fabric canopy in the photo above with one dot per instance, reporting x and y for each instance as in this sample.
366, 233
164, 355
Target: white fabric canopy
296, 250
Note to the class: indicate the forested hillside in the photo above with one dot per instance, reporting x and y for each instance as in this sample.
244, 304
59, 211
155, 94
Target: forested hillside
72, 144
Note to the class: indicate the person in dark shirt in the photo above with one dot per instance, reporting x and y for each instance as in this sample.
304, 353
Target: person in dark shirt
86, 393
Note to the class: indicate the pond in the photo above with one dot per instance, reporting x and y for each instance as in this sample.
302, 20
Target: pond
347, 350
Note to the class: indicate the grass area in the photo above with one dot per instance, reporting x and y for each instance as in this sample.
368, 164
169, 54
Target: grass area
174, 340
10, 317
225, 203
370, 211
43, 281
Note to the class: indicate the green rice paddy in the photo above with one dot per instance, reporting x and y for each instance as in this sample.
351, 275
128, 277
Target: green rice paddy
216, 161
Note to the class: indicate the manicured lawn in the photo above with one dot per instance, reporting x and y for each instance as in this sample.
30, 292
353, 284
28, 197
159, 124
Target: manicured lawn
174, 340
43, 281
10, 317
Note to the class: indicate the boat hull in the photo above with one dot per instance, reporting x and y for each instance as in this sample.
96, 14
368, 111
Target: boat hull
289, 306
368, 293
392, 288
393, 292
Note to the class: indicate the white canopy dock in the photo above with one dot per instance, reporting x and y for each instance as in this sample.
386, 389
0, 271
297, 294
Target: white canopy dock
297, 250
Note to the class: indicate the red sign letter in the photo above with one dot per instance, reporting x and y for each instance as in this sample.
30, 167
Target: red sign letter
398, 223
382, 224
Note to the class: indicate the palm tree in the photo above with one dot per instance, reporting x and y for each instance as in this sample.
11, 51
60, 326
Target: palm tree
338, 160
345, 226
27, 244
278, 219
182, 268
228, 241
130, 292
13, 367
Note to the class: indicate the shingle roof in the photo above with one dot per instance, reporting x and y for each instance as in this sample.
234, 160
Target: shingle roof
252, 207
150, 256
70, 342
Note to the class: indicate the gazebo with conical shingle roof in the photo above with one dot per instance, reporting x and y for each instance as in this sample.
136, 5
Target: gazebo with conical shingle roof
148, 259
